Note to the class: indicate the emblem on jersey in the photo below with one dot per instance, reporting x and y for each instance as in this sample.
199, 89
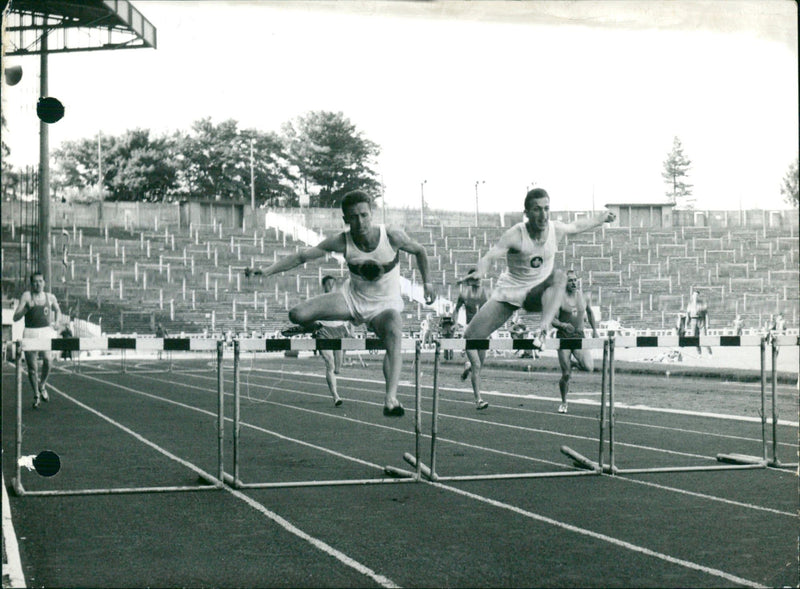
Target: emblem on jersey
536, 262
370, 270
46, 311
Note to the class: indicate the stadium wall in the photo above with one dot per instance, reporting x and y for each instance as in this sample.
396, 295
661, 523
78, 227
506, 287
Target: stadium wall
145, 215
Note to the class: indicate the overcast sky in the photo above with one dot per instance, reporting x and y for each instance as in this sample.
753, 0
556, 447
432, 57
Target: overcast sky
581, 98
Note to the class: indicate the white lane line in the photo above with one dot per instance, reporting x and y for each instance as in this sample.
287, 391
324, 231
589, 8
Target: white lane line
382, 580
482, 448
12, 565
589, 402
704, 496
538, 517
462, 418
602, 537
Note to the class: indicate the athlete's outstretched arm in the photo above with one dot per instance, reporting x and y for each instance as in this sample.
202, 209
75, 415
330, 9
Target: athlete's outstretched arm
587, 223
401, 240
507, 242
328, 245
590, 316
22, 308
54, 306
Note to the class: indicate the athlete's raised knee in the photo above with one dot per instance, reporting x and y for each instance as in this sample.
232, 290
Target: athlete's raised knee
299, 315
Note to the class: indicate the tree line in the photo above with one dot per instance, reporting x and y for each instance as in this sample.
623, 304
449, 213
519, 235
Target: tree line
320, 155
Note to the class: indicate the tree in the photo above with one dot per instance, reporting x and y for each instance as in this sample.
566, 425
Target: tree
215, 163
8, 178
789, 186
675, 171
76, 163
136, 167
332, 157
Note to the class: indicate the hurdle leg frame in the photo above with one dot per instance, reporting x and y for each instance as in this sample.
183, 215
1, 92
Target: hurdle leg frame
394, 475
210, 482
603, 384
435, 408
733, 461
775, 462
485, 344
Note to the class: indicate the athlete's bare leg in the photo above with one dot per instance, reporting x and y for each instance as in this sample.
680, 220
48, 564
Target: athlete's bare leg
552, 298
492, 315
388, 326
330, 374
329, 306
566, 374
32, 363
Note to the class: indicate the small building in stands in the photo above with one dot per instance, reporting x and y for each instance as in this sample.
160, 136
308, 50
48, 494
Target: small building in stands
229, 213
655, 215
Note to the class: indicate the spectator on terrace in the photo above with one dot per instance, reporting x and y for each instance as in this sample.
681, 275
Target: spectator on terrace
738, 325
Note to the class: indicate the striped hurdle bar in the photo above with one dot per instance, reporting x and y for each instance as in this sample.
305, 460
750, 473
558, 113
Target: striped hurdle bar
586, 466
394, 475
118, 343
731, 461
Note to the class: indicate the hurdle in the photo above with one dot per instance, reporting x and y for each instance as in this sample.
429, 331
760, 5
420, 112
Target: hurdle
727, 461
209, 481
585, 466
392, 474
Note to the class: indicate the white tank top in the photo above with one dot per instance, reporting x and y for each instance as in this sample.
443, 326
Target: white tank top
374, 275
533, 263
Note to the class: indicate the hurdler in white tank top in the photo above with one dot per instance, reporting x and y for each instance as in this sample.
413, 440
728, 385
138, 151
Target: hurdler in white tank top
530, 266
371, 289
533, 263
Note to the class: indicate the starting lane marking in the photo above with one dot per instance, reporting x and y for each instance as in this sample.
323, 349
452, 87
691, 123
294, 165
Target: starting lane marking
598, 536
382, 580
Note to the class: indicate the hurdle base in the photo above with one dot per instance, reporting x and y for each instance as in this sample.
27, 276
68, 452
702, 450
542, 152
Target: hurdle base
778, 464
423, 468
608, 469
398, 472
579, 460
740, 459
207, 480
229, 480
19, 490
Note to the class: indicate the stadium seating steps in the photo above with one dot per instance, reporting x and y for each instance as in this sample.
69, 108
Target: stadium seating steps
195, 283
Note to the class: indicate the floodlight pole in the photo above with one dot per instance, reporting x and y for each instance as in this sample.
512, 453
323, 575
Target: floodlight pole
252, 179
476, 199
422, 203
44, 168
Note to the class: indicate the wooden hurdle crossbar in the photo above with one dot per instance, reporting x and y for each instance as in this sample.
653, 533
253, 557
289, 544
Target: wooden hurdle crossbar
209, 481
392, 474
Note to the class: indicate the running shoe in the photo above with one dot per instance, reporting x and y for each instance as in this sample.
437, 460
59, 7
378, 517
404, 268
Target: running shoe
299, 329
562, 408
43, 392
396, 411
480, 405
465, 374
37, 401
